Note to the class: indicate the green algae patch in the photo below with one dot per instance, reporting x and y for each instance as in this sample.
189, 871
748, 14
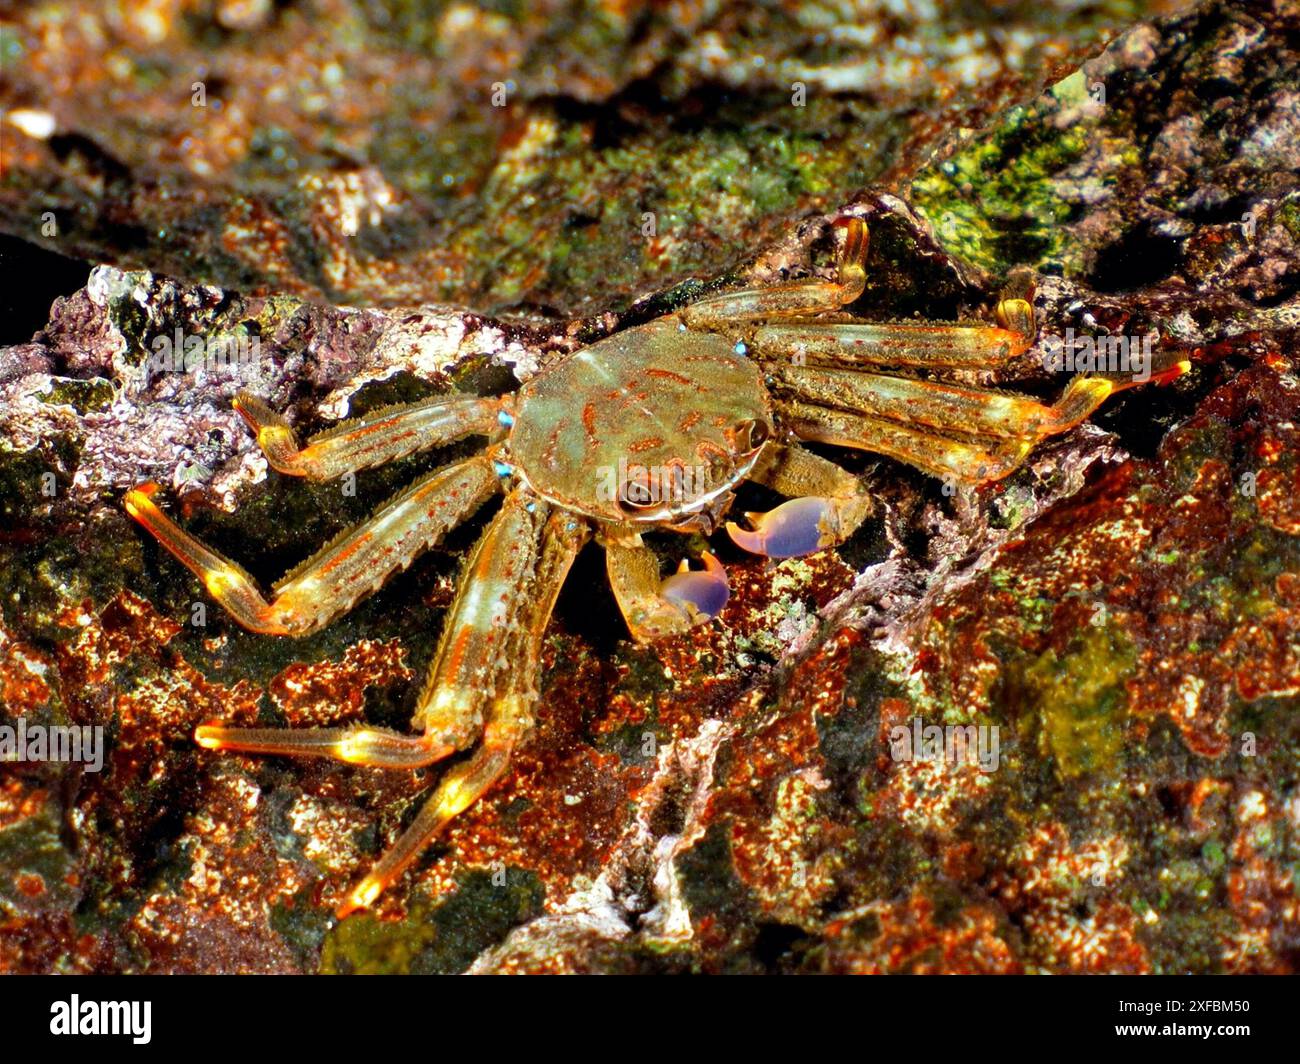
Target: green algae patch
573, 207
995, 202
82, 396
1080, 700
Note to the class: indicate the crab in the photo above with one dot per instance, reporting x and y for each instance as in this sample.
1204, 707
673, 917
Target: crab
653, 427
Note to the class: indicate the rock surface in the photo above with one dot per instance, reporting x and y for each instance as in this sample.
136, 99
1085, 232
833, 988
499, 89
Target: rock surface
1125, 609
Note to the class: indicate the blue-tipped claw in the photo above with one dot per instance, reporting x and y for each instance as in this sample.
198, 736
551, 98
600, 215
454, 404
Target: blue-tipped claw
793, 529
698, 593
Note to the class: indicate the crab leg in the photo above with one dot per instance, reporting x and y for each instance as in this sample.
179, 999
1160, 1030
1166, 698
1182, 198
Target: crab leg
655, 608
482, 621
946, 407
827, 504
371, 440
492, 637
354, 564
794, 298
902, 343
972, 434
968, 461
858, 343
376, 747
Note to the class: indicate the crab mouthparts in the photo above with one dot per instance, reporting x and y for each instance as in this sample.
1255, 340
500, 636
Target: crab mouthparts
706, 520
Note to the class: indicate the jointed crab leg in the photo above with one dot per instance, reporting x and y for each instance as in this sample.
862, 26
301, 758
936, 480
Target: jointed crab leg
901, 343
969, 461
352, 565
371, 440
946, 407
523, 563
968, 433
376, 747
827, 504
476, 635
857, 343
795, 298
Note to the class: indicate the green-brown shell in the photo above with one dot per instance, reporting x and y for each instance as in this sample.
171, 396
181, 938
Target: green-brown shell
654, 398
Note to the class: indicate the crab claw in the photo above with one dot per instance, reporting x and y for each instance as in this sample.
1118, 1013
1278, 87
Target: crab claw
698, 593
793, 529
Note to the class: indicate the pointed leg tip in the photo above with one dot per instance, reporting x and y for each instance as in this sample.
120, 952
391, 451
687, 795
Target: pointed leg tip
242, 404
361, 897
140, 498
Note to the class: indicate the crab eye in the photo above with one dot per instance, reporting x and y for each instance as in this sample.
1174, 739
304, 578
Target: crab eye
751, 435
636, 491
